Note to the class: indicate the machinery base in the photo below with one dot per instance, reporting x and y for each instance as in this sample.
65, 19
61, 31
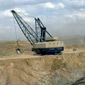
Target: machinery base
48, 50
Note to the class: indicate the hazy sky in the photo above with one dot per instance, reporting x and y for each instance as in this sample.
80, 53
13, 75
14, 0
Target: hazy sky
61, 17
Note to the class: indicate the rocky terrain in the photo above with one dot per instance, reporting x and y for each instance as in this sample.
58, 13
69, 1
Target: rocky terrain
42, 70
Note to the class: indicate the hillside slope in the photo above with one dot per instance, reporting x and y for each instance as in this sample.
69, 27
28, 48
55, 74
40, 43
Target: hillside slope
42, 70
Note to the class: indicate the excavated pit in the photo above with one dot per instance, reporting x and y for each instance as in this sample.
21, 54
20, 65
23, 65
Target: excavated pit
42, 70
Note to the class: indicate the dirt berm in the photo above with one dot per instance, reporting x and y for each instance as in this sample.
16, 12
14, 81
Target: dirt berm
42, 70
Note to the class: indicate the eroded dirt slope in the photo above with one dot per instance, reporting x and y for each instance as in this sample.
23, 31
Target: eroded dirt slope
42, 70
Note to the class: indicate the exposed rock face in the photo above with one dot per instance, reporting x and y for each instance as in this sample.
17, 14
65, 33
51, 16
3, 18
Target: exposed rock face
45, 70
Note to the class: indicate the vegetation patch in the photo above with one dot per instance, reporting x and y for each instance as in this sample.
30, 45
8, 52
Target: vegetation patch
57, 64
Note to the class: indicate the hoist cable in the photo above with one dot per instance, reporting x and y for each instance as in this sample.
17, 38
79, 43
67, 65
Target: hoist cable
16, 36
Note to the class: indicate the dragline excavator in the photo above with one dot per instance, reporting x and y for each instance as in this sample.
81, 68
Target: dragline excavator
40, 39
